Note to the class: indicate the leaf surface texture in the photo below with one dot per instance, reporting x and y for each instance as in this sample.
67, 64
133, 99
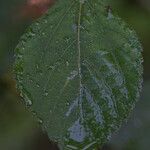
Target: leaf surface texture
79, 69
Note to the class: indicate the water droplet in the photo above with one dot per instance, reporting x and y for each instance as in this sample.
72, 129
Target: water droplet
31, 80
40, 120
72, 107
19, 56
45, 21
110, 15
51, 67
23, 42
37, 66
88, 14
67, 63
41, 73
67, 103
73, 74
109, 137
34, 113
29, 103
67, 40
27, 100
37, 24
43, 33
74, 27
28, 75
32, 34
38, 70
45, 93
37, 85
82, 27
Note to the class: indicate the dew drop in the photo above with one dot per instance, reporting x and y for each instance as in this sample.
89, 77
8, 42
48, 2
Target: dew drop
19, 56
74, 27
109, 137
27, 100
110, 15
45, 21
23, 43
34, 113
67, 63
73, 74
43, 33
40, 121
67, 103
37, 66
31, 80
32, 34
37, 24
45, 93
67, 40
38, 70
37, 85
82, 27
51, 67
28, 75
41, 73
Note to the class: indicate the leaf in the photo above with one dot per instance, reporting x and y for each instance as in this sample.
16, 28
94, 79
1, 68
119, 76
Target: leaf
79, 69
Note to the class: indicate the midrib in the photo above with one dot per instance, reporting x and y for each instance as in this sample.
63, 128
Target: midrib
79, 58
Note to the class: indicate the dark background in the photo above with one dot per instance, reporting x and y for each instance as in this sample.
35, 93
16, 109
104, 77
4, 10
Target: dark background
18, 130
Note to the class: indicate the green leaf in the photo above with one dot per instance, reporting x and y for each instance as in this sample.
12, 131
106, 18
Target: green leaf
79, 69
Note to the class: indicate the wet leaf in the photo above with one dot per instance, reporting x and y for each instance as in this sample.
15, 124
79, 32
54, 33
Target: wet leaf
79, 68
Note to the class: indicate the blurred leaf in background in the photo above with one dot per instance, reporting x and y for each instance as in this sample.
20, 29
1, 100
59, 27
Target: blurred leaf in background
135, 134
17, 128
15, 122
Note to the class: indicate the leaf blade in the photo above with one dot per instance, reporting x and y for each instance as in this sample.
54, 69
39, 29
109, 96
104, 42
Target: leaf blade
80, 85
